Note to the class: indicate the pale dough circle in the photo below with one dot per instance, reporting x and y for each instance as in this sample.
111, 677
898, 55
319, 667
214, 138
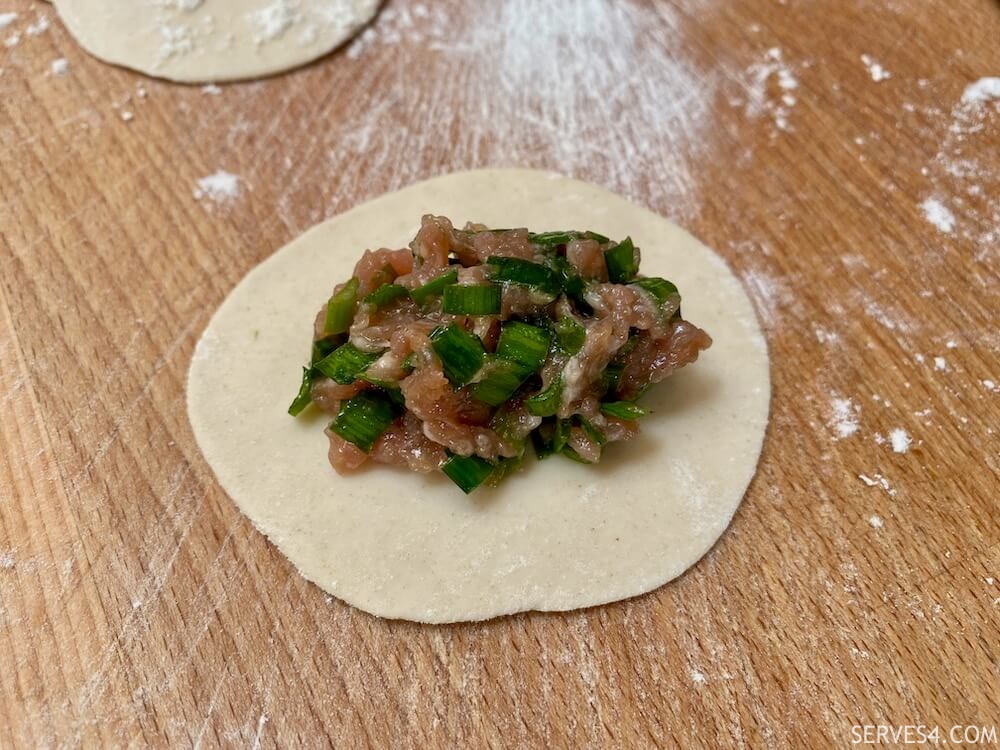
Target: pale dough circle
556, 536
199, 41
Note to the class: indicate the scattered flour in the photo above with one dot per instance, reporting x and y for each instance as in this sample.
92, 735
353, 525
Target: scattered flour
272, 20
900, 440
59, 66
875, 70
844, 419
697, 677
940, 364
759, 81
825, 336
939, 215
7, 559
878, 481
211, 89
991, 386
876, 522
6, 19
219, 187
13, 40
982, 91
40, 26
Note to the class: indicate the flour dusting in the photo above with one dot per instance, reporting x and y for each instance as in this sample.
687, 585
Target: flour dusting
939, 215
875, 69
844, 417
40, 26
6, 19
876, 522
982, 91
991, 386
219, 187
900, 440
59, 67
770, 84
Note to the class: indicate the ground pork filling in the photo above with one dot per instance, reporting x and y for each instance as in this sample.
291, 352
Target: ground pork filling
458, 353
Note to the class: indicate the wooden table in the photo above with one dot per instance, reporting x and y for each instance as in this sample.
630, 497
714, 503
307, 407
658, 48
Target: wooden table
822, 146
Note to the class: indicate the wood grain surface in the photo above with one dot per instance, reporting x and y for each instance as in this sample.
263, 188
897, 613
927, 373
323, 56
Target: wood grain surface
824, 147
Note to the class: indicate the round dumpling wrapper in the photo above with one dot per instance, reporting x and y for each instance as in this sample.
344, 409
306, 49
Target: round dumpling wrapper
213, 40
555, 536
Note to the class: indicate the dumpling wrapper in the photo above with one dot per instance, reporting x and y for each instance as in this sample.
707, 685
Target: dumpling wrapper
199, 41
556, 536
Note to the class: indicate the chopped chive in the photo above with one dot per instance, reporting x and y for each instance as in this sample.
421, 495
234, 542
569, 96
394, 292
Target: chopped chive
660, 289
524, 344
570, 281
561, 434
364, 418
385, 294
501, 378
545, 403
525, 272
468, 472
345, 365
481, 299
570, 335
623, 410
571, 454
561, 238
324, 346
622, 262
304, 397
592, 432
503, 469
434, 288
340, 309
461, 353
410, 363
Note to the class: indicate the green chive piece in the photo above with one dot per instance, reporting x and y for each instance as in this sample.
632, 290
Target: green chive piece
592, 432
386, 294
524, 344
660, 289
546, 402
561, 238
623, 410
410, 363
481, 299
434, 288
364, 418
461, 353
561, 434
525, 272
622, 261
304, 397
570, 335
501, 378
468, 472
324, 346
345, 365
340, 309
503, 469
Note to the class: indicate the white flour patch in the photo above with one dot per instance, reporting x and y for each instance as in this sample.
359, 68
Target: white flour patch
6, 19
272, 21
59, 67
878, 481
769, 87
982, 91
211, 89
844, 417
875, 69
825, 335
698, 678
7, 559
991, 386
876, 522
940, 364
219, 187
40, 26
939, 215
961, 172
900, 440
13, 40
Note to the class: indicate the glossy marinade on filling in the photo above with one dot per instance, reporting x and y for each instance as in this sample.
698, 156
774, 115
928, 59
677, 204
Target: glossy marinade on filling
458, 352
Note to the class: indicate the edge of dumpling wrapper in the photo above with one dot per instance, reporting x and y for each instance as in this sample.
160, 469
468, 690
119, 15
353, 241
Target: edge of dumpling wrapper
556, 536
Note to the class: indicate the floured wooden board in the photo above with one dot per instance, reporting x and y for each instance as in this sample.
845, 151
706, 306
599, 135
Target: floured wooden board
857, 585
